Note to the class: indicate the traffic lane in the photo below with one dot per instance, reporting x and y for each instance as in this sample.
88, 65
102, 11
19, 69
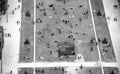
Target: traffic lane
105, 44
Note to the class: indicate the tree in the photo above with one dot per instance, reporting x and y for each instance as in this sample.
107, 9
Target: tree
112, 72
99, 13
27, 41
27, 14
25, 72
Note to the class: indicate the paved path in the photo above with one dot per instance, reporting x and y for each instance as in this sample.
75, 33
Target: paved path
65, 64
11, 45
34, 30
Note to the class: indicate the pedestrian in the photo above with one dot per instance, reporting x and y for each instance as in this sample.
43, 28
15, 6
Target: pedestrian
115, 6
11, 72
115, 19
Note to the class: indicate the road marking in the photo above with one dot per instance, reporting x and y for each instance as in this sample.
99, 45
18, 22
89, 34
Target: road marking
93, 22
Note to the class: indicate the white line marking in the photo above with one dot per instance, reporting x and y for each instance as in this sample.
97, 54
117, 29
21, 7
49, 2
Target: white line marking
93, 22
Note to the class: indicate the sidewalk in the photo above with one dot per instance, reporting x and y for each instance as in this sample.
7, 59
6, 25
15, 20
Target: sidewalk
11, 43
